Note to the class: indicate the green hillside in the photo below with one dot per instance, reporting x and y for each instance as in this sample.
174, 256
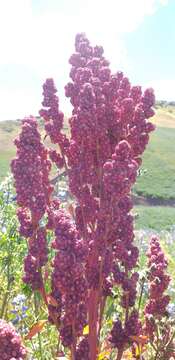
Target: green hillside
158, 179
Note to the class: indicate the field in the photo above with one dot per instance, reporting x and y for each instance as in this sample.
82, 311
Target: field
158, 179
154, 217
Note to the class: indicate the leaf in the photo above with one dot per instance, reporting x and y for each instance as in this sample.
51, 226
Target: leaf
104, 355
110, 322
71, 210
51, 300
61, 356
43, 294
45, 137
138, 351
141, 339
60, 353
128, 355
86, 330
36, 328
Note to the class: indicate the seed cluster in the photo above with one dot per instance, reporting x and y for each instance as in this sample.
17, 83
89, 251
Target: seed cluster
11, 347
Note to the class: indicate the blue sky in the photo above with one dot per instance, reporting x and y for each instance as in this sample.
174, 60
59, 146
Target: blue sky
37, 38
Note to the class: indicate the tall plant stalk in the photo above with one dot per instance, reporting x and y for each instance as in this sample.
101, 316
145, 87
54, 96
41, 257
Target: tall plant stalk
94, 245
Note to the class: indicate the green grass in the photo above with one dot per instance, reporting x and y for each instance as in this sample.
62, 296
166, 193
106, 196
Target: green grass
154, 217
5, 158
159, 161
8, 132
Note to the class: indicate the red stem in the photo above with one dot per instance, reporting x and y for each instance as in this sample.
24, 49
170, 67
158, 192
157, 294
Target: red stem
119, 354
102, 307
73, 348
93, 318
72, 353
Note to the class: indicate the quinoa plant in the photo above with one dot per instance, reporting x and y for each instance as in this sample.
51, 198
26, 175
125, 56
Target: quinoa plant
95, 257
158, 325
11, 346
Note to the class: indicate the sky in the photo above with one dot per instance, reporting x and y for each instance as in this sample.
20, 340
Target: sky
37, 39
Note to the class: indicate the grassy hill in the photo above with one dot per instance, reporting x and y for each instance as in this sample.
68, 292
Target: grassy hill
158, 179
8, 131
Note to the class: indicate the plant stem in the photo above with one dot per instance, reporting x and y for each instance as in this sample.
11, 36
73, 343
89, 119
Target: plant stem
54, 356
156, 354
40, 346
4, 303
73, 347
102, 307
119, 354
141, 295
39, 336
126, 309
93, 318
